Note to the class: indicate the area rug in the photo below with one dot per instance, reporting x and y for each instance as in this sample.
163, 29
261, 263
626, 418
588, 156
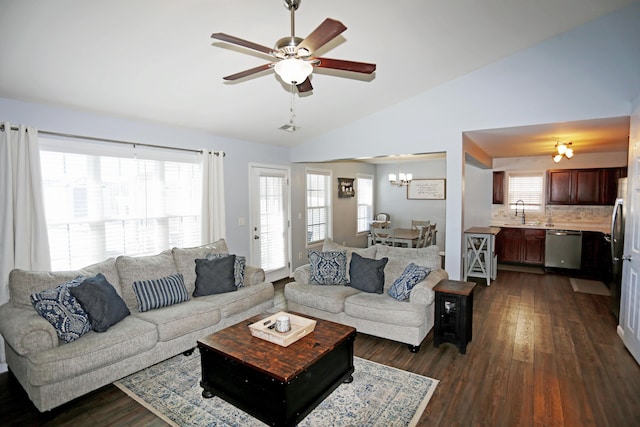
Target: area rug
378, 396
589, 286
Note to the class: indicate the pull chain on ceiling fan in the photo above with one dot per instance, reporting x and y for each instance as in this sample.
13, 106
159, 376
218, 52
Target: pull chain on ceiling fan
293, 60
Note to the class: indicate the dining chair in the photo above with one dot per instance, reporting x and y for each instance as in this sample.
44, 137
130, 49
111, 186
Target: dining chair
385, 236
423, 227
430, 235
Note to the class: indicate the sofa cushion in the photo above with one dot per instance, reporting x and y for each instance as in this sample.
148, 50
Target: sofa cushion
399, 258
128, 338
367, 274
101, 302
243, 299
60, 308
401, 288
184, 259
384, 309
181, 319
23, 283
215, 276
330, 245
157, 293
329, 298
328, 267
238, 267
133, 269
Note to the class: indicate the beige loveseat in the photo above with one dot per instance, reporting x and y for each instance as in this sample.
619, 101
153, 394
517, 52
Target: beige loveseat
372, 313
54, 372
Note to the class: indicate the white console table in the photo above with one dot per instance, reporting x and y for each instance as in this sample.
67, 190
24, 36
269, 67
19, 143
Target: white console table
480, 259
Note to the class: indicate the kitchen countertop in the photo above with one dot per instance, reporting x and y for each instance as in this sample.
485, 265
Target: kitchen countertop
598, 227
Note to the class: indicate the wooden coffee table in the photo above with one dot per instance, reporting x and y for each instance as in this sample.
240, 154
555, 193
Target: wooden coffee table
278, 385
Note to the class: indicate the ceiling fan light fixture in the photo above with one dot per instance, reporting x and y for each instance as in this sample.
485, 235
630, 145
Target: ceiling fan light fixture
562, 149
293, 71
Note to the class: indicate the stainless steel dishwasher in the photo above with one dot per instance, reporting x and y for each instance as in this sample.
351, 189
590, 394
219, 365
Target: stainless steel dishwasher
563, 249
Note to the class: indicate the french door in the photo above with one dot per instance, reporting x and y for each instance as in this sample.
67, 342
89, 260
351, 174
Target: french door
270, 220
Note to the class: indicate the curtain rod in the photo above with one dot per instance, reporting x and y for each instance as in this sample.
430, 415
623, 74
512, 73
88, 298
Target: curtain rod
115, 141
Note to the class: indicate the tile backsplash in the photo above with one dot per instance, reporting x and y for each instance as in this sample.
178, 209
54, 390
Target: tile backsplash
556, 214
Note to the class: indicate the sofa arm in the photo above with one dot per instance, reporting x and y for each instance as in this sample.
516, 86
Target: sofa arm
253, 275
422, 293
25, 330
302, 274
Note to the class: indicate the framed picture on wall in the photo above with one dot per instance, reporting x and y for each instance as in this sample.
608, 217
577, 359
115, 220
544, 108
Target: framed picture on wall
427, 189
345, 187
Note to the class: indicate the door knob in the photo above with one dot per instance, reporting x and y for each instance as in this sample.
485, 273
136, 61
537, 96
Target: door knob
626, 258
256, 237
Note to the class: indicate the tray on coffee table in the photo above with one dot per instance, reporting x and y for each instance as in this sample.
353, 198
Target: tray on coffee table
300, 327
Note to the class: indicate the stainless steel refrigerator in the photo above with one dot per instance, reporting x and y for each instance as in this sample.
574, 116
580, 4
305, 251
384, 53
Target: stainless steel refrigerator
617, 245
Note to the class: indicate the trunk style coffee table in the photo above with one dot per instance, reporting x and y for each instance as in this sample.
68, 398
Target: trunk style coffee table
278, 385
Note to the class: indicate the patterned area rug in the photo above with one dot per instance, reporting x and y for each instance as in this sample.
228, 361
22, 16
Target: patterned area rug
378, 396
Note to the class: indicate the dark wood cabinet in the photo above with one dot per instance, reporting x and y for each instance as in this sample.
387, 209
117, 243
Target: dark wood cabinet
498, 187
596, 257
583, 186
453, 313
520, 245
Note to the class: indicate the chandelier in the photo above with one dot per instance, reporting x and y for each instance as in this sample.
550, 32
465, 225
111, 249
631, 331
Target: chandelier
401, 180
563, 149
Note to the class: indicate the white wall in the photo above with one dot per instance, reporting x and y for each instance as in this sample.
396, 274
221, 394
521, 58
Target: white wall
478, 196
588, 73
238, 153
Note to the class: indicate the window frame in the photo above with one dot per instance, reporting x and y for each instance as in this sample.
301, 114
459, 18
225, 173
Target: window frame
529, 206
328, 198
369, 218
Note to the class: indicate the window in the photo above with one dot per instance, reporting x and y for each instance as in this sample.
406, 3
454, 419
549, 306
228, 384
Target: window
527, 187
364, 193
318, 205
99, 204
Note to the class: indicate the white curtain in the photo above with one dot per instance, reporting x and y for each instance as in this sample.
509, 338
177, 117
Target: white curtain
24, 241
213, 217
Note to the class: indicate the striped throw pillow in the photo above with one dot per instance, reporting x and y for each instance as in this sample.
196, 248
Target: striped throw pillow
157, 293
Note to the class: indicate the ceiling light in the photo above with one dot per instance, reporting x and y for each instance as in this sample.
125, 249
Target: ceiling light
562, 149
293, 71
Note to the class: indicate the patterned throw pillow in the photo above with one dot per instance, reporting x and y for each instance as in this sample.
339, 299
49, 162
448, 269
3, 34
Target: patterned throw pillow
62, 310
411, 276
328, 268
163, 292
238, 267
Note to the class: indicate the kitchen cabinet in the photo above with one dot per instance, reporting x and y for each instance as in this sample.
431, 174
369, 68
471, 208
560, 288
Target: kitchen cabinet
583, 186
520, 245
498, 188
596, 257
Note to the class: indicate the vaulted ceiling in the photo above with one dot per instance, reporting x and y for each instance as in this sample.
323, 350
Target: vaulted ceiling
154, 59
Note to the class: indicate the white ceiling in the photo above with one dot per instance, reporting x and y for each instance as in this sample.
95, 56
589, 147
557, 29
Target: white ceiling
154, 59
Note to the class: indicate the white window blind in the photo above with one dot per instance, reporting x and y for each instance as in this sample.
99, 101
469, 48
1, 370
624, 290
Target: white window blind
318, 205
99, 206
364, 194
273, 222
528, 187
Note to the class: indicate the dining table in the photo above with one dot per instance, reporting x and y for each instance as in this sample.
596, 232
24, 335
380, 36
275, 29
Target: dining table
409, 236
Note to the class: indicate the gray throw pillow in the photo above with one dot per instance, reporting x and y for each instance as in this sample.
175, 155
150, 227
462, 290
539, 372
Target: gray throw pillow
367, 274
101, 302
215, 276
238, 267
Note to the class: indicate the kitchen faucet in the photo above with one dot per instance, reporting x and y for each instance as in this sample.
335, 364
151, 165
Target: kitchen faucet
520, 201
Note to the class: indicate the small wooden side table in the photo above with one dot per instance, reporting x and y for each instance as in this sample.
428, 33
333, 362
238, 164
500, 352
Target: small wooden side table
454, 313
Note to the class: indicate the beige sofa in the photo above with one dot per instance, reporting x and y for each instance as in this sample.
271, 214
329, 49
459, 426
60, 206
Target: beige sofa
373, 313
54, 372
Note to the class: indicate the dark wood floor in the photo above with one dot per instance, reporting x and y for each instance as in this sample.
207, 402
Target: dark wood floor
541, 355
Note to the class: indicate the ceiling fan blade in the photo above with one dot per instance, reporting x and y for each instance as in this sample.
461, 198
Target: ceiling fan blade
305, 86
340, 64
240, 42
322, 35
248, 72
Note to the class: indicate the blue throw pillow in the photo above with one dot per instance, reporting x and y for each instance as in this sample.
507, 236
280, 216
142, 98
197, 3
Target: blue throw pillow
328, 268
367, 274
411, 276
101, 302
238, 267
163, 292
63, 311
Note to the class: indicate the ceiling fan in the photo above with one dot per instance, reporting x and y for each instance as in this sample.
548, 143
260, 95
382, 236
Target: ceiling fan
293, 56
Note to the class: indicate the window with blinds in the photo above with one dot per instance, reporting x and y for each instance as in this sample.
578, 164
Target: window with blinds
318, 205
99, 206
364, 194
528, 187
